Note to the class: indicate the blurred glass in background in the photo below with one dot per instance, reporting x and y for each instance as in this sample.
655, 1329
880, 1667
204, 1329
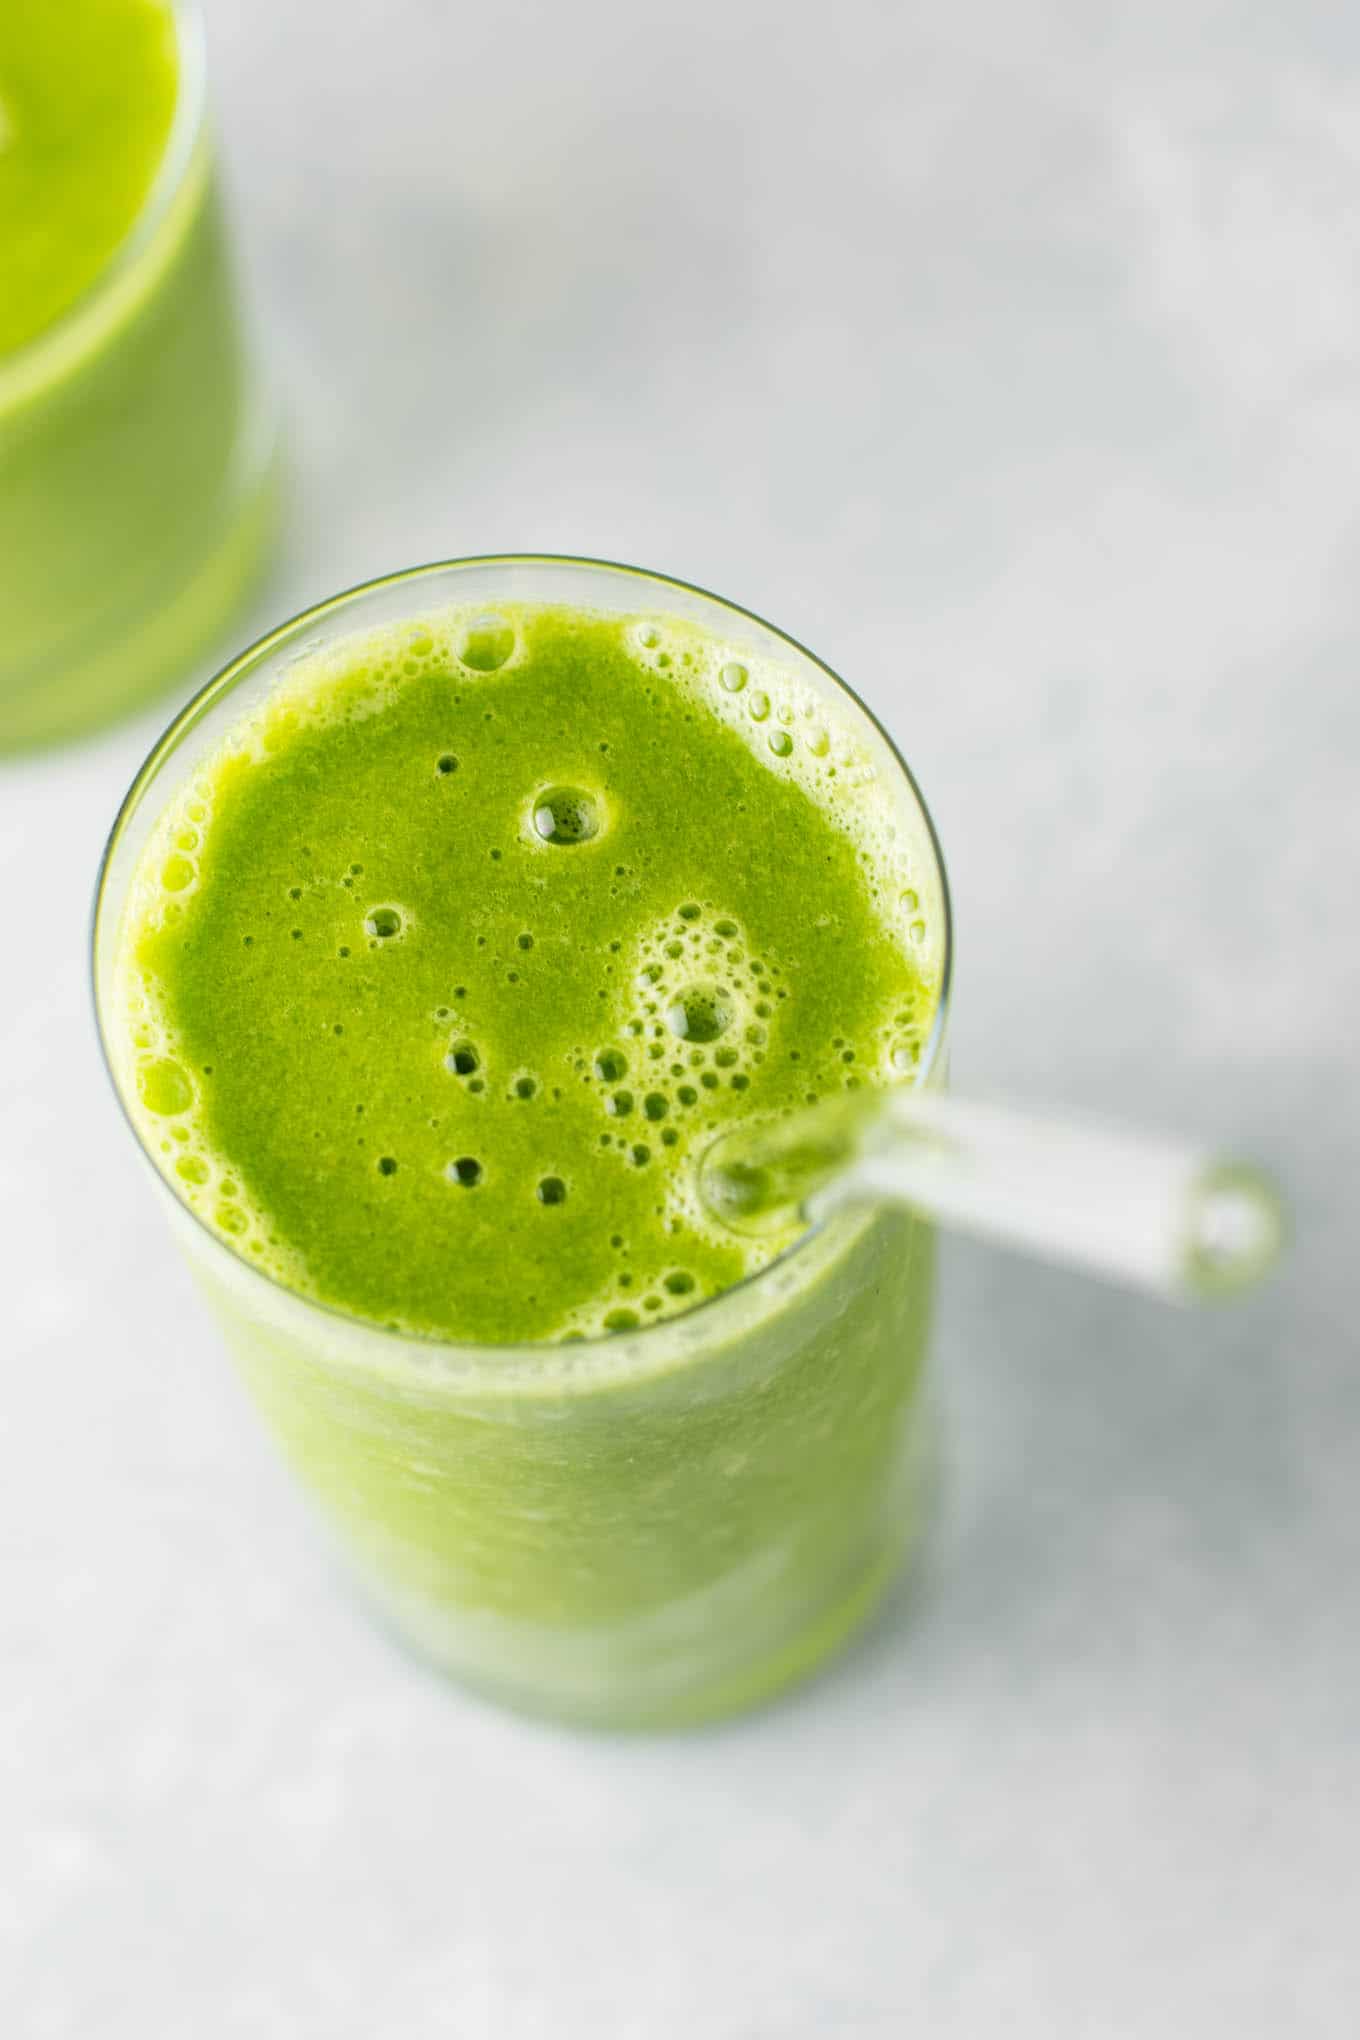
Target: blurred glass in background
137, 445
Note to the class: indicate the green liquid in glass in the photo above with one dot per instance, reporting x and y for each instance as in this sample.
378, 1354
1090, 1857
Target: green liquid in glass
437, 980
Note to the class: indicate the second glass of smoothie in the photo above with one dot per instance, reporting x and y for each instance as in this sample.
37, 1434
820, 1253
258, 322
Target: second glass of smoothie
435, 943
137, 443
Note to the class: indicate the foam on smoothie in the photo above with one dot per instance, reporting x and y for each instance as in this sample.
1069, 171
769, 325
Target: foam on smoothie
438, 978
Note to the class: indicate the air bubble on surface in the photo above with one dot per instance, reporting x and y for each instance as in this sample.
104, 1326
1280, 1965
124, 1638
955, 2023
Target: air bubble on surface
178, 873
385, 923
486, 643
165, 1087
700, 1013
466, 1172
463, 1059
551, 1190
566, 816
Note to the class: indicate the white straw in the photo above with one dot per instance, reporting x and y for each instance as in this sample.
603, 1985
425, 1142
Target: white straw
1165, 1217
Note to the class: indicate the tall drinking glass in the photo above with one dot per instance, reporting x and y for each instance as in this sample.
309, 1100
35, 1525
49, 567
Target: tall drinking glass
646, 1528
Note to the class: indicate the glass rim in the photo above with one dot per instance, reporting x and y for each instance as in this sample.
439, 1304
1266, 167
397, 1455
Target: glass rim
511, 1359
65, 335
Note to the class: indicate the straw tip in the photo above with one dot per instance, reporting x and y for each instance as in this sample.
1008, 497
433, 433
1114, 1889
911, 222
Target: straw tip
1237, 1233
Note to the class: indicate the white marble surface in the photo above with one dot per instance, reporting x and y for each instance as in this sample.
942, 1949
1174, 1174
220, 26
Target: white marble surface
1010, 354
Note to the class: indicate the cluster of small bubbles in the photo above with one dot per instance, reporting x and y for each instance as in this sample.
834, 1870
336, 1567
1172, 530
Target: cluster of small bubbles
692, 1005
173, 859
167, 1098
566, 816
902, 1041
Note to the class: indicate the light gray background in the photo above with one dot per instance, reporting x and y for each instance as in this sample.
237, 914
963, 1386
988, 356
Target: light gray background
1010, 355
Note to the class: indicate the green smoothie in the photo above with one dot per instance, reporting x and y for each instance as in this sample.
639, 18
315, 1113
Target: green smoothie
134, 461
434, 981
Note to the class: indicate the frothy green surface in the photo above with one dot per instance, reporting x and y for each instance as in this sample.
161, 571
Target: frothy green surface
444, 972
87, 98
